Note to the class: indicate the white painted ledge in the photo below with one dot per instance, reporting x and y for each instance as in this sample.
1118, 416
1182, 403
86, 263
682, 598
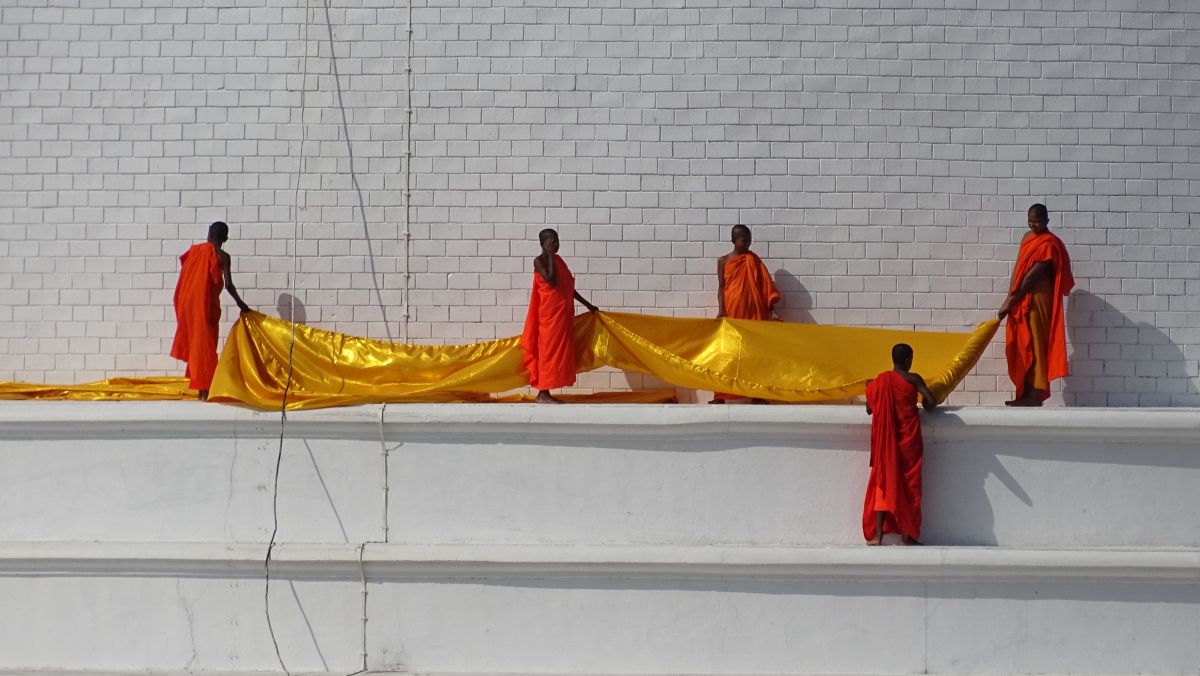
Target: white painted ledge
373, 672
396, 562
173, 419
645, 475
176, 672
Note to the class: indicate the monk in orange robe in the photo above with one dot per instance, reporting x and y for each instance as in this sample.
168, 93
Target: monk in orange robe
204, 272
745, 289
893, 500
1035, 337
548, 338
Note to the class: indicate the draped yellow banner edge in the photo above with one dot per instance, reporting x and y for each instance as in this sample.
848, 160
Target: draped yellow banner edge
778, 361
773, 360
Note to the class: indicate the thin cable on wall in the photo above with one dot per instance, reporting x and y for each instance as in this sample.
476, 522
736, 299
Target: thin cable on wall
296, 197
297, 205
406, 236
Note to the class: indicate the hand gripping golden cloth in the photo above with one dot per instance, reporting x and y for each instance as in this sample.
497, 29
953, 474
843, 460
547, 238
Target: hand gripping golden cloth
772, 360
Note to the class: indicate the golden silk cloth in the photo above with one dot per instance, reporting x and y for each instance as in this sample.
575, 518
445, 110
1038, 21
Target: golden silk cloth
113, 389
172, 388
772, 360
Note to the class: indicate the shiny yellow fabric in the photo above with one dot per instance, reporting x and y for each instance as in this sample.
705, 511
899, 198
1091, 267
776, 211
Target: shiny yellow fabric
772, 360
176, 389
113, 389
333, 369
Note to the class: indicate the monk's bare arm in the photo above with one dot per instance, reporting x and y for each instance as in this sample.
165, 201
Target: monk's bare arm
225, 271
1013, 279
1035, 275
545, 268
927, 396
868, 404
721, 286
1006, 306
586, 304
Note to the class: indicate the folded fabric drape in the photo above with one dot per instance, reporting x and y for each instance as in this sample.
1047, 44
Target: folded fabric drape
113, 389
772, 360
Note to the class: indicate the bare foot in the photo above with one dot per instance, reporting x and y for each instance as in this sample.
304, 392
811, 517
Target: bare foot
717, 400
203, 395
875, 541
544, 397
906, 541
1032, 397
1026, 401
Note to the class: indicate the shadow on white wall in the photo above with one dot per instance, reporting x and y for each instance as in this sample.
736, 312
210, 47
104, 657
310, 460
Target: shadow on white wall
1118, 361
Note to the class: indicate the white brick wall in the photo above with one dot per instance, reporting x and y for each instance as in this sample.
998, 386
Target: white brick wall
884, 151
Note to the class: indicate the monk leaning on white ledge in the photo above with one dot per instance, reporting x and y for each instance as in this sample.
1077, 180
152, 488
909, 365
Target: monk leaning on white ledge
893, 500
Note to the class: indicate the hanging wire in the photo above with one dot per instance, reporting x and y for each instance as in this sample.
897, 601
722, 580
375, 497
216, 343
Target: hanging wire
408, 157
296, 206
301, 164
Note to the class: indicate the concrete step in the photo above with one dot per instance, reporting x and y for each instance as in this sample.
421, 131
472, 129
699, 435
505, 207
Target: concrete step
378, 561
160, 607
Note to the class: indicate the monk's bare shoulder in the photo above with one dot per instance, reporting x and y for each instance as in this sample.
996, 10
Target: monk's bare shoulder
225, 259
540, 268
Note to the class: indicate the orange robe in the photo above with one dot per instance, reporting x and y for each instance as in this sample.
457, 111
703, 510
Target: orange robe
198, 313
547, 339
1035, 336
897, 452
749, 293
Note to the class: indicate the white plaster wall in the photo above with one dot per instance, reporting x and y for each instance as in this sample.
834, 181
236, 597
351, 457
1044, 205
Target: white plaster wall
188, 623
592, 539
585, 475
794, 476
758, 618
885, 155
190, 490
796, 626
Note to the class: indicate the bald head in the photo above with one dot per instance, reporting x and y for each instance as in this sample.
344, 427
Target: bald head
1038, 219
218, 232
902, 356
740, 236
